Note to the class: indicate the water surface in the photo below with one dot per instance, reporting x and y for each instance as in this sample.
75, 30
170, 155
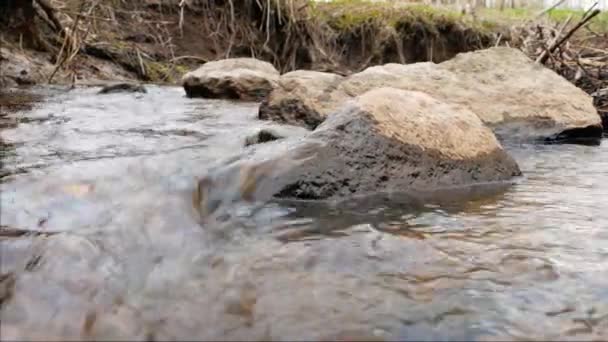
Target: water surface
113, 174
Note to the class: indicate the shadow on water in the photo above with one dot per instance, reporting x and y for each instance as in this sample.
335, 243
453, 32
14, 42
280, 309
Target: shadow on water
388, 213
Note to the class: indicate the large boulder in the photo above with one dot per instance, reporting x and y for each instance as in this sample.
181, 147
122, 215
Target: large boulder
519, 97
508, 91
247, 79
301, 97
386, 140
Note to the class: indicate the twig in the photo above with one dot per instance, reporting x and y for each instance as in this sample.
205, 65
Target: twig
181, 17
141, 63
67, 38
189, 57
498, 39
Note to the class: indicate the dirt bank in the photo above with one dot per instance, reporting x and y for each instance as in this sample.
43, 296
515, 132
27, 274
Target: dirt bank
157, 41
84, 42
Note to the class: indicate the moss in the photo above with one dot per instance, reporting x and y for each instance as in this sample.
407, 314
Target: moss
164, 72
180, 70
345, 15
158, 72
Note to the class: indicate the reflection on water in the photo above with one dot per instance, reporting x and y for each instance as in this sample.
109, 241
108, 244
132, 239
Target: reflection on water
111, 177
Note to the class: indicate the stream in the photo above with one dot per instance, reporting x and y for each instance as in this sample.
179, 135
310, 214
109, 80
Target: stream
108, 179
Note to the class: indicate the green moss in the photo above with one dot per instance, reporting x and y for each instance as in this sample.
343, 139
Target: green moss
180, 70
164, 72
158, 72
349, 14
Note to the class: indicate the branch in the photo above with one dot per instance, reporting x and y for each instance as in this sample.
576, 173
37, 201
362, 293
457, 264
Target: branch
543, 57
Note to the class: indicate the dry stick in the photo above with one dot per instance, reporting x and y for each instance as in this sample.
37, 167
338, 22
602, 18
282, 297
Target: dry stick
60, 60
141, 63
543, 57
498, 39
181, 17
175, 59
558, 34
232, 28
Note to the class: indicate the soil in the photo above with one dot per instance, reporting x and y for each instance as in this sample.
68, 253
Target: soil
153, 41
144, 40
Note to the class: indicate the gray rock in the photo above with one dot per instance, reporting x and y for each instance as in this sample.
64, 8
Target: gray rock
386, 140
300, 98
507, 90
274, 133
246, 79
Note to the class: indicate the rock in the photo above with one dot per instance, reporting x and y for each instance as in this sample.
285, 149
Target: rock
394, 140
301, 98
519, 97
274, 133
245, 79
516, 97
386, 140
17, 69
123, 88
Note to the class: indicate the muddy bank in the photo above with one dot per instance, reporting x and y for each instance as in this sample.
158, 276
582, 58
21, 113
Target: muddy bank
159, 41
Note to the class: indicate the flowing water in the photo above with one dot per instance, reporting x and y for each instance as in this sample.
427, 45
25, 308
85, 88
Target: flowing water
109, 178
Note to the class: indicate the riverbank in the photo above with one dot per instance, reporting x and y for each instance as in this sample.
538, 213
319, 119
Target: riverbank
158, 41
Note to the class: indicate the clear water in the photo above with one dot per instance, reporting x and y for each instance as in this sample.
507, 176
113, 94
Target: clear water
113, 174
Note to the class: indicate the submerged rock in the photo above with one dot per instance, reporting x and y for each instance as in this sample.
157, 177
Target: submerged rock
301, 97
274, 133
247, 79
386, 140
507, 90
123, 88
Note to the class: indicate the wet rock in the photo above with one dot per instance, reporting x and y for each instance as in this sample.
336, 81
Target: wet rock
19, 69
301, 97
274, 133
245, 79
507, 90
386, 140
394, 140
604, 116
123, 88
27, 67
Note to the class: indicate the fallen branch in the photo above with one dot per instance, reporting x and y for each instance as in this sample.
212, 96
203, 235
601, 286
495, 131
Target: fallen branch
543, 57
204, 60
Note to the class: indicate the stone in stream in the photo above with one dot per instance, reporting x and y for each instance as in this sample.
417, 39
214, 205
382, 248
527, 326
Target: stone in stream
300, 97
122, 88
386, 140
508, 91
246, 79
274, 133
